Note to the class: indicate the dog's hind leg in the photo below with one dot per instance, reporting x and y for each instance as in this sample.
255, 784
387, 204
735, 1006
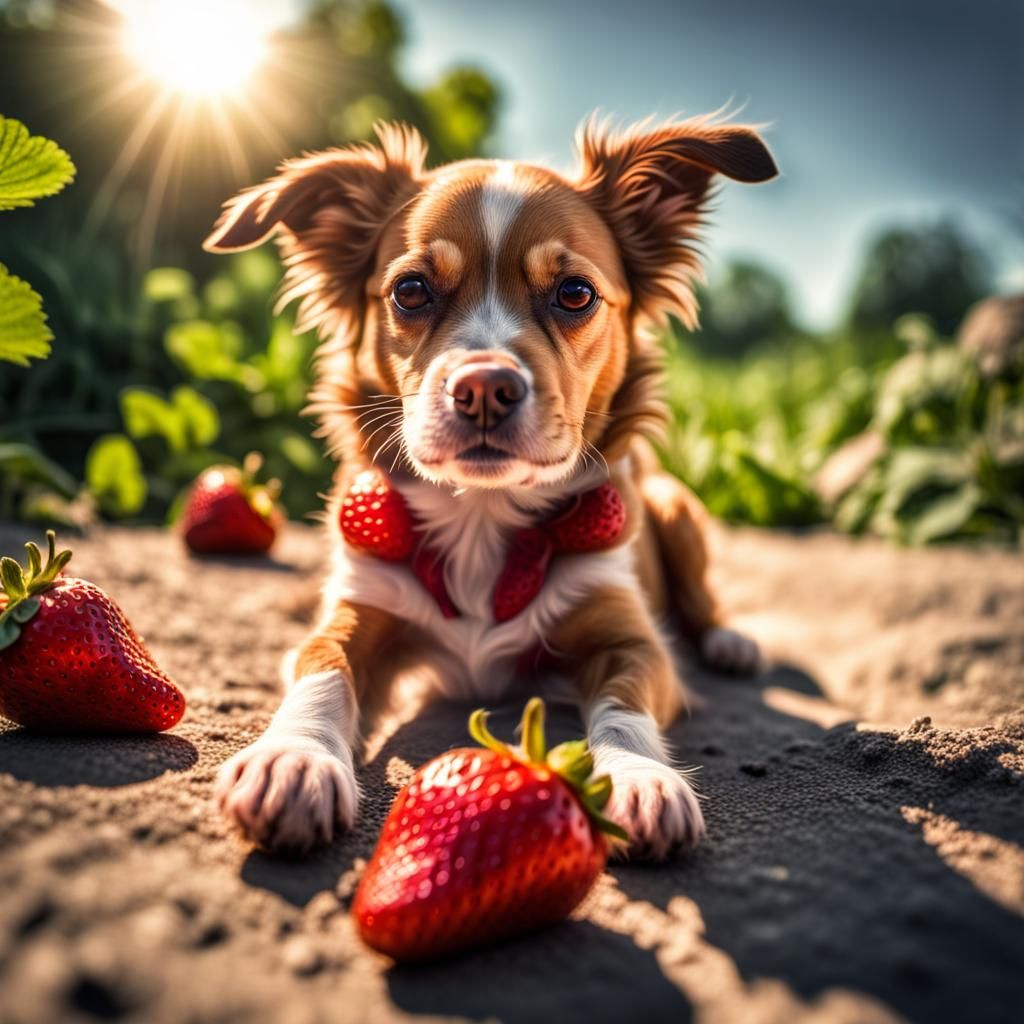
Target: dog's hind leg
678, 521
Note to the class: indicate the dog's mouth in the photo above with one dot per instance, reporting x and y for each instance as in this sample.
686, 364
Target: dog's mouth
484, 454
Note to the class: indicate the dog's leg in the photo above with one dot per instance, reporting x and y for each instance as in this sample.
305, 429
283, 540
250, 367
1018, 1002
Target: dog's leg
296, 785
679, 522
628, 687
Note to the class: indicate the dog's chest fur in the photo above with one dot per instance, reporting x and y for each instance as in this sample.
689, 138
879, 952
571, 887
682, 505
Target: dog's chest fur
473, 529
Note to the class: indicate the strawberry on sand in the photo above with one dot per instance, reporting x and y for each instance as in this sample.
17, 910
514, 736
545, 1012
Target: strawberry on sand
486, 844
70, 660
228, 513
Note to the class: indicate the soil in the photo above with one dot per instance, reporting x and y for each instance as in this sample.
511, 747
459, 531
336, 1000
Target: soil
864, 800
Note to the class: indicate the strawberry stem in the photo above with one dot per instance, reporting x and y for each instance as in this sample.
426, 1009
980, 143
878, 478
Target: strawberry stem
571, 761
21, 588
261, 497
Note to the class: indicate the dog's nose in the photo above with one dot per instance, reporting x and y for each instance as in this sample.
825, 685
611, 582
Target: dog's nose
485, 393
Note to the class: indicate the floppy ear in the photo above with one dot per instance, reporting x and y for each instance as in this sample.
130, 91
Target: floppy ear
328, 211
652, 186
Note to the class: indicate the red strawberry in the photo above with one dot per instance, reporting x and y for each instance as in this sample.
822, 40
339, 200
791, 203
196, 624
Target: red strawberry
428, 567
526, 567
70, 661
594, 524
375, 520
485, 844
227, 512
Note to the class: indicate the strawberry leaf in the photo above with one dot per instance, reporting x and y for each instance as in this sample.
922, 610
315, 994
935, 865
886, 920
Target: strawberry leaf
35, 560
13, 579
31, 167
534, 744
23, 331
24, 610
9, 632
479, 731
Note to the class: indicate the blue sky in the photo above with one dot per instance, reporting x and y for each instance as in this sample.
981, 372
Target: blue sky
881, 112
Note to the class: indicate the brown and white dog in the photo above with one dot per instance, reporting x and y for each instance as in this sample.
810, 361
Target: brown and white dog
484, 349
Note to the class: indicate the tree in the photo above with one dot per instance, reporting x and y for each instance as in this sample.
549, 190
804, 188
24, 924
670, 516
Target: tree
932, 270
749, 305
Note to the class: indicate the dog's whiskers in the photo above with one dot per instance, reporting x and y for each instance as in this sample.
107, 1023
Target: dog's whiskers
395, 435
391, 424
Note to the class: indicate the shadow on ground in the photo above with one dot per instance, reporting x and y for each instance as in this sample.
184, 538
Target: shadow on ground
103, 761
564, 974
817, 871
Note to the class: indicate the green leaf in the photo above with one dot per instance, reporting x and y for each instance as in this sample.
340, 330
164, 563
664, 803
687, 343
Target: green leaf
23, 331
13, 578
945, 515
198, 415
24, 610
9, 632
301, 452
168, 284
211, 351
146, 414
113, 473
31, 167
24, 464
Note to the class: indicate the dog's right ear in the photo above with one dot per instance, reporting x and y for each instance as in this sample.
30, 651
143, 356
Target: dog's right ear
328, 211
367, 179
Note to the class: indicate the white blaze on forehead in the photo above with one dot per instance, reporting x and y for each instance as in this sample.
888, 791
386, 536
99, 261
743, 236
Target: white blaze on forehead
490, 323
500, 202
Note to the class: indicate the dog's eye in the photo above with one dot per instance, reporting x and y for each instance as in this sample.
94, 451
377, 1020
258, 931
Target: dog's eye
575, 295
410, 293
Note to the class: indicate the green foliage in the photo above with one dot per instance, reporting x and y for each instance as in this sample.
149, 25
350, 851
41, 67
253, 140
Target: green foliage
952, 460
462, 108
114, 475
23, 331
947, 445
30, 168
749, 434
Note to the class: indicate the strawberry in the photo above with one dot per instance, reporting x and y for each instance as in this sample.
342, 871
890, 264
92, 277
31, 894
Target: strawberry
227, 512
375, 519
485, 844
70, 661
526, 567
593, 524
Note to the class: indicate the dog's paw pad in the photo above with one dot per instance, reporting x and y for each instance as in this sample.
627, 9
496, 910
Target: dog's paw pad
657, 807
730, 651
285, 798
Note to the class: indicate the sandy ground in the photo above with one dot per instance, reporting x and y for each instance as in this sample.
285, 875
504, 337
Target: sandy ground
863, 863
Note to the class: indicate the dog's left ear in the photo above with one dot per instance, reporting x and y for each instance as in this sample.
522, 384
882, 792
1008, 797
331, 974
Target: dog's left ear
651, 185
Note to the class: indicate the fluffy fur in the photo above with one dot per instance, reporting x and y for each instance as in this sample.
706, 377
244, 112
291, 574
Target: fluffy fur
489, 248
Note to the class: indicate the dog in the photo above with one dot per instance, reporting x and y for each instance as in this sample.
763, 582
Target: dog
490, 387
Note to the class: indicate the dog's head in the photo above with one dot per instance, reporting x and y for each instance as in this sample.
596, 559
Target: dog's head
482, 316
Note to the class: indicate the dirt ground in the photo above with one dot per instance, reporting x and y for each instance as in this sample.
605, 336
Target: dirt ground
865, 806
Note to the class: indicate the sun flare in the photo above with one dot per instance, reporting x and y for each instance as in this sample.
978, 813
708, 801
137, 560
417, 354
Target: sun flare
197, 47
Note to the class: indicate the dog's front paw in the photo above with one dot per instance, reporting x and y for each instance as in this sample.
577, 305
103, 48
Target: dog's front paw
729, 651
656, 805
286, 797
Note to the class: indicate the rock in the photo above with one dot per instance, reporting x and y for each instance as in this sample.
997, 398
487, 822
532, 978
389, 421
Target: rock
993, 332
301, 957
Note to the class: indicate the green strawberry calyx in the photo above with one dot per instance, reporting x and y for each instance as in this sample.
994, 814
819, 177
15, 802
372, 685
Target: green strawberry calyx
22, 587
572, 762
262, 498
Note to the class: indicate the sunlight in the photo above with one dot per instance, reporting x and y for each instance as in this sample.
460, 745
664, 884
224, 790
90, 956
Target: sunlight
198, 47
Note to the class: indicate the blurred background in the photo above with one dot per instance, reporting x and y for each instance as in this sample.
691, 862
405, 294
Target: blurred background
860, 357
